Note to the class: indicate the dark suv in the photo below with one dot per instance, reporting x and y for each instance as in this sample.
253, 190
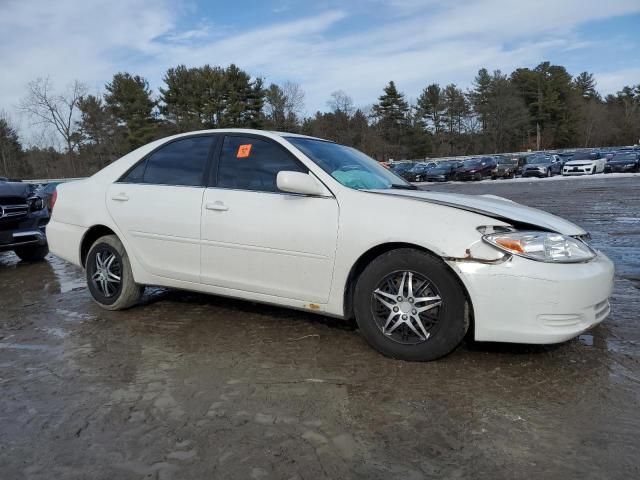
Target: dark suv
23, 217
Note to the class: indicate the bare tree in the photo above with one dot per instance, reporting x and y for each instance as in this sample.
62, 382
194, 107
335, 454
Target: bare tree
57, 111
294, 95
341, 102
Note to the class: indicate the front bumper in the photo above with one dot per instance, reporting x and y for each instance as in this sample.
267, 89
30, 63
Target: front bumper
525, 301
582, 170
464, 176
437, 178
620, 168
23, 232
534, 173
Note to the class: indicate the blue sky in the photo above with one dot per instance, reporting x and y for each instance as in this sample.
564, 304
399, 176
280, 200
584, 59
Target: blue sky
325, 45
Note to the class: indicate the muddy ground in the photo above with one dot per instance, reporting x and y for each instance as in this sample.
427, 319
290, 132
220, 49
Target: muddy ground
194, 386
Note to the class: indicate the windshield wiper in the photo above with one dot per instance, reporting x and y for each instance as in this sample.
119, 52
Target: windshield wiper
400, 186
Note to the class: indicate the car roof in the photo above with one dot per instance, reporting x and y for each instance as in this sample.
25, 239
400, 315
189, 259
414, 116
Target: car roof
250, 131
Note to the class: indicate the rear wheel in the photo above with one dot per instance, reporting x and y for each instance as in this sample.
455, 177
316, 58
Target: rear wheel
408, 305
32, 253
109, 275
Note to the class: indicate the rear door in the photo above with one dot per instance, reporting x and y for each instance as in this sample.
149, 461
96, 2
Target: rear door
157, 207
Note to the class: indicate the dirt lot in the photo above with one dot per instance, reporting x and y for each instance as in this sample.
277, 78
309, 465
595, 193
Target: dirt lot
191, 386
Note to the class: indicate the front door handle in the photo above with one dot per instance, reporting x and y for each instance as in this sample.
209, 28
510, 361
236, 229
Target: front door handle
120, 197
219, 206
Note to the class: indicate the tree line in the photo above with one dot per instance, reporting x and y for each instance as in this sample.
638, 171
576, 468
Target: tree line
531, 108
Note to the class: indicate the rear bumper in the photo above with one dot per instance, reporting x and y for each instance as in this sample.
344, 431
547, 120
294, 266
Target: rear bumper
524, 301
65, 240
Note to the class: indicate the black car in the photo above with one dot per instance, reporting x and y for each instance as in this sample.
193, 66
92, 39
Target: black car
443, 172
625, 161
419, 172
541, 165
23, 217
476, 168
401, 168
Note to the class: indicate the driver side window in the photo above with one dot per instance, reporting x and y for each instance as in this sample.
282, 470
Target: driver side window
249, 163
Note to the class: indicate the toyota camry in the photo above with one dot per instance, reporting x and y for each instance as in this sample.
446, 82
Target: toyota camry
310, 224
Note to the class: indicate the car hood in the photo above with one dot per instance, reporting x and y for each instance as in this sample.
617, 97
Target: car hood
495, 207
622, 162
15, 189
533, 166
579, 162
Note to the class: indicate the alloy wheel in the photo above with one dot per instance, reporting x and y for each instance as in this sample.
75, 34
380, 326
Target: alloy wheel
406, 307
107, 272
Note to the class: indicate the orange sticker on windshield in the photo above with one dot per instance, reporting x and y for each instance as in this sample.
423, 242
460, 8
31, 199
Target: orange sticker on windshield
244, 151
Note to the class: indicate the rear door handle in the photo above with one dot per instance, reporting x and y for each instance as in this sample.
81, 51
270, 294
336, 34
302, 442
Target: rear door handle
120, 197
219, 206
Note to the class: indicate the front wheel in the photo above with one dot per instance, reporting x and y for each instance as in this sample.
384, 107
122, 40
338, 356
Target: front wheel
109, 275
410, 306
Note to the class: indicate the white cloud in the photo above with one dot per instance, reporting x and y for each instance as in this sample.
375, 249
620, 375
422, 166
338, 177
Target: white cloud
415, 42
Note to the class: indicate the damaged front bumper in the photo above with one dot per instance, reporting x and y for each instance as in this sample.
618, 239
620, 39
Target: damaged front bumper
518, 300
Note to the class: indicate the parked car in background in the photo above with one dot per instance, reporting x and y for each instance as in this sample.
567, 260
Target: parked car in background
23, 217
506, 167
286, 219
624, 161
443, 172
542, 165
419, 172
585, 163
476, 168
401, 168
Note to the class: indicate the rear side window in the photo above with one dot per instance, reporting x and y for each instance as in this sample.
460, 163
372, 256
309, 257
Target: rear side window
248, 163
181, 162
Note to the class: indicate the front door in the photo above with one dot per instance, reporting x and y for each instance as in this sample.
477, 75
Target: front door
256, 238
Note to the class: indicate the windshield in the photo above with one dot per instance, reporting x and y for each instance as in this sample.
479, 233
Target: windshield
624, 157
347, 165
585, 156
507, 161
537, 160
474, 162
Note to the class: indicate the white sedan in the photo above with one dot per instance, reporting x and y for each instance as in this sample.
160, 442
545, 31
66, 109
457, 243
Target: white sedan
310, 224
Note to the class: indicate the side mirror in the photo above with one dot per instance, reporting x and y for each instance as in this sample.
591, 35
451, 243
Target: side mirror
301, 183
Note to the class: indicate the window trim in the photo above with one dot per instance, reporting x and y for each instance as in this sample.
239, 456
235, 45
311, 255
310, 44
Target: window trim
213, 178
207, 165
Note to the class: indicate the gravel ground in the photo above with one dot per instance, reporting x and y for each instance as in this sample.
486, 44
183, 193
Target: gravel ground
195, 386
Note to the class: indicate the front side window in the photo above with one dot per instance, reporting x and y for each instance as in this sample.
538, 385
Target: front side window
347, 165
248, 163
181, 162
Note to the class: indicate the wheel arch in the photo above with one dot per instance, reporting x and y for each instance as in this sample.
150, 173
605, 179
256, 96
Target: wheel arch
94, 233
374, 252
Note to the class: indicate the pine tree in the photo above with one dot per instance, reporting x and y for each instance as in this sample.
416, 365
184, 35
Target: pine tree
129, 100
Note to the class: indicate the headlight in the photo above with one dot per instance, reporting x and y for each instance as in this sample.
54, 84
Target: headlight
542, 246
35, 203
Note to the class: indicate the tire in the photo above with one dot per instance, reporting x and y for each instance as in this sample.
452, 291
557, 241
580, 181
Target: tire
445, 323
548, 173
32, 253
122, 295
